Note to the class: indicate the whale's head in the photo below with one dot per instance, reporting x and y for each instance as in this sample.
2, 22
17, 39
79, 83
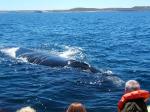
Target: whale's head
82, 65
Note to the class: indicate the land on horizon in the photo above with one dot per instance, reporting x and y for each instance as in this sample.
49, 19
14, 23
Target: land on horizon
82, 9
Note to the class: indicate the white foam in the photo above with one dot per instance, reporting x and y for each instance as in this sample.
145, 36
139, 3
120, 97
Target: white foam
23, 59
71, 52
108, 72
10, 51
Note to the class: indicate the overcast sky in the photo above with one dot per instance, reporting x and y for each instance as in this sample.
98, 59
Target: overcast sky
67, 4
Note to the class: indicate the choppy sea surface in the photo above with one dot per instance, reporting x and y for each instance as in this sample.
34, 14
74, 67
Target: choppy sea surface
117, 43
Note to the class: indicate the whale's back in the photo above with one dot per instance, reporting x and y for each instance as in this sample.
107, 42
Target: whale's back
44, 59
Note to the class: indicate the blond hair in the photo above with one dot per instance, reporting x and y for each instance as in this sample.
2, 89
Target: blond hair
26, 109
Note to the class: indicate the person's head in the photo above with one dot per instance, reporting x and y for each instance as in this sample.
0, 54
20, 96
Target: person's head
131, 85
26, 109
76, 107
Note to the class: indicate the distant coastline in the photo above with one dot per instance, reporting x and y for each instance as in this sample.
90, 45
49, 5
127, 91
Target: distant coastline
136, 8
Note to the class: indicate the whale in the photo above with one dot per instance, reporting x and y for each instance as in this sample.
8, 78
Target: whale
52, 60
42, 58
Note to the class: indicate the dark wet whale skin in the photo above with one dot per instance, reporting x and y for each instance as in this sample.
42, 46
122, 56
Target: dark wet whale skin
52, 60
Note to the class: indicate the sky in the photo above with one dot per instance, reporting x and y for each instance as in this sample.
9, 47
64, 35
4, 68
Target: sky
67, 4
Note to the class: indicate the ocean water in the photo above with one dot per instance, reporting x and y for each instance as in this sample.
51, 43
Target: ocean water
117, 43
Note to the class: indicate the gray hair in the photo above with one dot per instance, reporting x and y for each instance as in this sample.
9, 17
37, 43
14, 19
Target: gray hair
132, 85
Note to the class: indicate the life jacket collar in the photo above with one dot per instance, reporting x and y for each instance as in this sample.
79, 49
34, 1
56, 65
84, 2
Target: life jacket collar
138, 94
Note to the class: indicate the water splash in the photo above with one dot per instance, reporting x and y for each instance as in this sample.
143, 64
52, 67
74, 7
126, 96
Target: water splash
109, 72
10, 51
72, 53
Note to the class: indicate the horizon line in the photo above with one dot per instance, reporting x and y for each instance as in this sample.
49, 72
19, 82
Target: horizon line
69, 8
